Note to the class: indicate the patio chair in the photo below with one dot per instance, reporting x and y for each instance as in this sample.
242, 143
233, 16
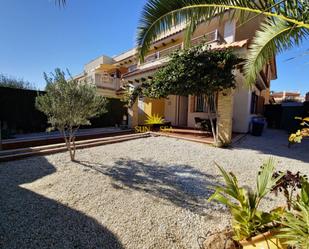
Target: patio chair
198, 123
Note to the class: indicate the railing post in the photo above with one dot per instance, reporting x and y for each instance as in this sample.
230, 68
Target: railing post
216, 35
158, 55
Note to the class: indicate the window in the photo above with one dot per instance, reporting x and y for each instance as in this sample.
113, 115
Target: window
132, 68
213, 101
229, 31
201, 104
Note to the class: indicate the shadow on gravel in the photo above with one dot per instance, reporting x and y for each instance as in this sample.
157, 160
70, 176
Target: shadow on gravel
182, 185
30, 220
275, 143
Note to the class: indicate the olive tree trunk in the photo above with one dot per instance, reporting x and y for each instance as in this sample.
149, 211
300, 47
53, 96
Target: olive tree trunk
69, 138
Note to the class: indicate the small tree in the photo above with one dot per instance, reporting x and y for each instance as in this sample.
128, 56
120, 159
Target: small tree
194, 71
68, 104
11, 82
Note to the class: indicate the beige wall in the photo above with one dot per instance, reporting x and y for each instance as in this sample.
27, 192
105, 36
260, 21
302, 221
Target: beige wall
242, 102
170, 109
247, 30
97, 62
225, 113
108, 93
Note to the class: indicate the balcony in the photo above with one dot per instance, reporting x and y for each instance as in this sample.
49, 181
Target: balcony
107, 82
155, 58
208, 38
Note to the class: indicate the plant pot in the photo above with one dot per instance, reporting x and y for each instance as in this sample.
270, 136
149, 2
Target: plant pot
155, 127
263, 241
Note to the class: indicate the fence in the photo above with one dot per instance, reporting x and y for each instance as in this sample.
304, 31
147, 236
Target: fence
283, 116
18, 114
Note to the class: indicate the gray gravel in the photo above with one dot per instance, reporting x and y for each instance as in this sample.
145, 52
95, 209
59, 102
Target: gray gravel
140, 194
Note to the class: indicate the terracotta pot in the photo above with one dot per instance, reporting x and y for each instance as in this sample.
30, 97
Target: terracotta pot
263, 241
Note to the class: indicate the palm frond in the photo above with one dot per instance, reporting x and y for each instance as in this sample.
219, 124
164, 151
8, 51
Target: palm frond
159, 16
274, 37
265, 181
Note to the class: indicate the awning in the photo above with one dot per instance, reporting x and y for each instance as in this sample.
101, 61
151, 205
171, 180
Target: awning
110, 68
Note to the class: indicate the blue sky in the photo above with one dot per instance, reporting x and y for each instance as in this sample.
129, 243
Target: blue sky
36, 37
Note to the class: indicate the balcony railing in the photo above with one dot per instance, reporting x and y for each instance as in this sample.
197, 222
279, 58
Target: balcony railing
106, 81
208, 38
163, 53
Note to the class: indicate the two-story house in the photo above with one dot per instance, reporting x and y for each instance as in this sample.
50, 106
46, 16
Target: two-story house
235, 106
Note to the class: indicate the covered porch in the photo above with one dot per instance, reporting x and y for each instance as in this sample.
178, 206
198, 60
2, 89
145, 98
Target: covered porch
183, 113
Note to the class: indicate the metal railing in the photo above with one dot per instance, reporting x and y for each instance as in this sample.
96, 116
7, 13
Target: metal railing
163, 53
208, 38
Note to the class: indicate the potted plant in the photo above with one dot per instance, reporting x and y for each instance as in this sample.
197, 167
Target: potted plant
252, 227
295, 222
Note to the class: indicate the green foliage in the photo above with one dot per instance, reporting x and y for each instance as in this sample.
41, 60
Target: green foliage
247, 219
286, 23
298, 136
194, 71
69, 104
275, 36
11, 82
295, 231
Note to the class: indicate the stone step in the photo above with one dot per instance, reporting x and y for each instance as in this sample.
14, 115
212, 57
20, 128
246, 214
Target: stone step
55, 148
55, 139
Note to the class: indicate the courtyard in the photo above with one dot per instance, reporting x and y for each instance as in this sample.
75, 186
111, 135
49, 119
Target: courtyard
145, 193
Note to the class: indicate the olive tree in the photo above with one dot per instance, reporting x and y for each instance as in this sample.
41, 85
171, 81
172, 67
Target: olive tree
68, 104
194, 71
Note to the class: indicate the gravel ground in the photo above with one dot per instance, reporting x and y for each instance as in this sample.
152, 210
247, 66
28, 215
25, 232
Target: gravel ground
148, 193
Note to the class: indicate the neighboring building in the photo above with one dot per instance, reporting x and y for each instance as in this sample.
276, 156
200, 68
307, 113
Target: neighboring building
235, 107
307, 97
285, 96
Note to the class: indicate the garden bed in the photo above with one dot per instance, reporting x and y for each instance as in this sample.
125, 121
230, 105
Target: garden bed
147, 193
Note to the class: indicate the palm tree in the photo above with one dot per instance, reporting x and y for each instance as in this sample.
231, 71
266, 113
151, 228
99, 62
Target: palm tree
286, 24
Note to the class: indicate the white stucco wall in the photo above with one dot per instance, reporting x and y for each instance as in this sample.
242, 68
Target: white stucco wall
97, 62
242, 104
170, 109
193, 115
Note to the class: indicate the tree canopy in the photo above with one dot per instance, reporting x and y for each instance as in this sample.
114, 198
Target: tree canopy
11, 82
68, 104
192, 71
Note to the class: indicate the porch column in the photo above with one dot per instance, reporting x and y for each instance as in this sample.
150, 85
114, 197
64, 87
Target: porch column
225, 116
133, 115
